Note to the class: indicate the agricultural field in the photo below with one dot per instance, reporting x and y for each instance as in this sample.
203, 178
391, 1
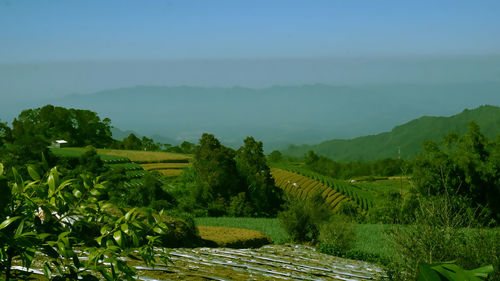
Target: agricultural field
270, 226
333, 192
271, 262
371, 239
389, 184
78, 151
164, 166
143, 157
362, 191
135, 162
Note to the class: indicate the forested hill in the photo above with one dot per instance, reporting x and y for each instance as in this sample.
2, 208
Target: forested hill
407, 138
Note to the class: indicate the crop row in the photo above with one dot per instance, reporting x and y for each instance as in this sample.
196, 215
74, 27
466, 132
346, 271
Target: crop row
304, 187
134, 183
126, 166
361, 197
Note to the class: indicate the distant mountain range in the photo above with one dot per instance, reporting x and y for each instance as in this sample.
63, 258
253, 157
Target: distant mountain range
120, 135
405, 139
278, 115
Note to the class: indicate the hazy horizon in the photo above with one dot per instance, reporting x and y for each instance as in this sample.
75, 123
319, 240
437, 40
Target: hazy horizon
53, 50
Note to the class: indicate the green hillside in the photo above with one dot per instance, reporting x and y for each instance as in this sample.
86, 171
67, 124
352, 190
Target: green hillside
407, 137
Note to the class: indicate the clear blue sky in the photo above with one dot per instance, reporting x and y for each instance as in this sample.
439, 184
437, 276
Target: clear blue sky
62, 30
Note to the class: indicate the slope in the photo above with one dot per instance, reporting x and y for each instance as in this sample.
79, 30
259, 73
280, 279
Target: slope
406, 138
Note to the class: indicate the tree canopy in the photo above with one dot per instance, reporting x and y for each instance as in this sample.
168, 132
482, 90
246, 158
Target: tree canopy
78, 127
467, 166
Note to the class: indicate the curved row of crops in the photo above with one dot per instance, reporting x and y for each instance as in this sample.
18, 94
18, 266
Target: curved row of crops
362, 198
304, 187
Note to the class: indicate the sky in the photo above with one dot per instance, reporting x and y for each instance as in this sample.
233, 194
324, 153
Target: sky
67, 30
52, 49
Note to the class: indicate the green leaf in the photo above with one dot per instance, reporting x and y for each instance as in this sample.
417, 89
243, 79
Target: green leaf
158, 230
64, 184
45, 164
77, 193
104, 230
52, 184
127, 215
95, 192
19, 230
47, 271
1, 169
118, 237
8, 221
19, 183
124, 228
451, 272
482, 271
33, 173
426, 273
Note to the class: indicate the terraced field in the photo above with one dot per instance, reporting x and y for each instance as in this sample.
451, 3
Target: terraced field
305, 187
273, 262
363, 197
135, 162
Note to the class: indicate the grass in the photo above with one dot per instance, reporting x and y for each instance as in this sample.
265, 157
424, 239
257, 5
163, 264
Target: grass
393, 184
270, 226
370, 238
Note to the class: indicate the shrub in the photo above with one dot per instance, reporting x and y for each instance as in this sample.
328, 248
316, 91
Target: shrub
337, 234
443, 231
239, 206
302, 219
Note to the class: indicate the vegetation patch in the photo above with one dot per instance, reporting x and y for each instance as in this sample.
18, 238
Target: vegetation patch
170, 172
230, 237
164, 166
147, 156
270, 226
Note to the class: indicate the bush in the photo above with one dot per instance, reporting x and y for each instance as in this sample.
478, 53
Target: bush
337, 234
443, 231
239, 206
302, 219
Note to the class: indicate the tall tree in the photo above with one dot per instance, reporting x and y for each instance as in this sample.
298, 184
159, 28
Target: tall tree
131, 142
216, 168
265, 197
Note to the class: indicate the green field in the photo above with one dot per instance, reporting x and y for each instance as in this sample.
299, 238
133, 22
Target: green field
370, 238
269, 226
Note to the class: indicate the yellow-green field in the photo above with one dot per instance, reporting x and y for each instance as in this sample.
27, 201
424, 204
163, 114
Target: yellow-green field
233, 237
170, 172
164, 166
305, 187
139, 156
166, 163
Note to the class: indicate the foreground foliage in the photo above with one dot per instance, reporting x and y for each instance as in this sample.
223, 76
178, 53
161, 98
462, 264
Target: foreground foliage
62, 218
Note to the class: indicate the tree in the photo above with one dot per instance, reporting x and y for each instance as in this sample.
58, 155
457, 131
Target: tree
131, 142
48, 123
265, 197
187, 147
5, 133
275, 156
466, 167
216, 169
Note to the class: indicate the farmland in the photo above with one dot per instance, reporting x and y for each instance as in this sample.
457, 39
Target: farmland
333, 191
135, 162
